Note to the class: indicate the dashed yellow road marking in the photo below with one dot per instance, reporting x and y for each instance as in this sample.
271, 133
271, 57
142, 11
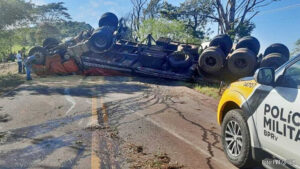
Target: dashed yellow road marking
95, 160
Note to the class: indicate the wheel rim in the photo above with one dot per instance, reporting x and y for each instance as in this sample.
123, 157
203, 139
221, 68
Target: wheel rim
233, 138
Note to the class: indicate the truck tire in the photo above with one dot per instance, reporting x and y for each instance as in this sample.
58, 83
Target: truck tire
109, 19
180, 60
50, 43
101, 40
249, 42
223, 41
212, 60
274, 60
242, 62
237, 143
278, 48
40, 54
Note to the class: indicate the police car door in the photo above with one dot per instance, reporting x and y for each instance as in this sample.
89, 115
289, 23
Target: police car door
278, 116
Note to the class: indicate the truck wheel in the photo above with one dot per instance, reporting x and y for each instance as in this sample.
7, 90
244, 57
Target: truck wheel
274, 60
50, 43
40, 54
249, 42
223, 41
278, 48
109, 19
236, 139
242, 62
101, 40
180, 60
212, 60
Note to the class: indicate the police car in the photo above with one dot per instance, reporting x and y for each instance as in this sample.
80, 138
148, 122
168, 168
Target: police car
260, 118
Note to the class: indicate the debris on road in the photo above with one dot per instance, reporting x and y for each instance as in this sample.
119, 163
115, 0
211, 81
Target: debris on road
5, 118
4, 136
138, 159
104, 51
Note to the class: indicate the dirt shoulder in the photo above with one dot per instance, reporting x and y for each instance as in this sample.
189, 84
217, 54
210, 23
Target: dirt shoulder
9, 78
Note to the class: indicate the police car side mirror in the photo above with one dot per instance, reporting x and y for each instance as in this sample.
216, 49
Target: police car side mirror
265, 76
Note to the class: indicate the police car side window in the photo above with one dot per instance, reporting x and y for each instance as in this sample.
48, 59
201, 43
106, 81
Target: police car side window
291, 76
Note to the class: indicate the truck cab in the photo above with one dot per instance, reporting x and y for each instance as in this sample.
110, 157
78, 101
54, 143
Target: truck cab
260, 118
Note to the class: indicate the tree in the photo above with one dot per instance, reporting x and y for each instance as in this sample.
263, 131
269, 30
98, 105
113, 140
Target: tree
52, 13
47, 30
234, 16
26, 24
152, 9
191, 13
14, 12
5, 43
71, 28
169, 11
173, 29
138, 7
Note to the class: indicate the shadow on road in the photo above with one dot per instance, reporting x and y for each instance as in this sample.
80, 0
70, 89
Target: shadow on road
80, 90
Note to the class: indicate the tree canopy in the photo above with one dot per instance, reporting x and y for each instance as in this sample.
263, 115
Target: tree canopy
166, 28
52, 12
234, 17
14, 12
25, 24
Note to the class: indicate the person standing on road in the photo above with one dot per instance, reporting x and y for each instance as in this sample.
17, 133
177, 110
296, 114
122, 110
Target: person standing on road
19, 60
28, 65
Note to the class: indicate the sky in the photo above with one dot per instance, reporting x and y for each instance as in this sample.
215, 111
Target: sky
278, 23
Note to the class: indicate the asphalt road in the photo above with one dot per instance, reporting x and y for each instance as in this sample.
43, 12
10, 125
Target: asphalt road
85, 122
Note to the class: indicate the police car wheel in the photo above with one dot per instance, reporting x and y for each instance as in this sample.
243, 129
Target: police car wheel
236, 139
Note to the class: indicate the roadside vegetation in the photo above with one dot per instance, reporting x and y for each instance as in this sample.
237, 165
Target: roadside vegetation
211, 90
9, 79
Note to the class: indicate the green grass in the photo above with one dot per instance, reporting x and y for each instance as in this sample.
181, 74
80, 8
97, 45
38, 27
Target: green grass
9, 82
208, 89
211, 90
